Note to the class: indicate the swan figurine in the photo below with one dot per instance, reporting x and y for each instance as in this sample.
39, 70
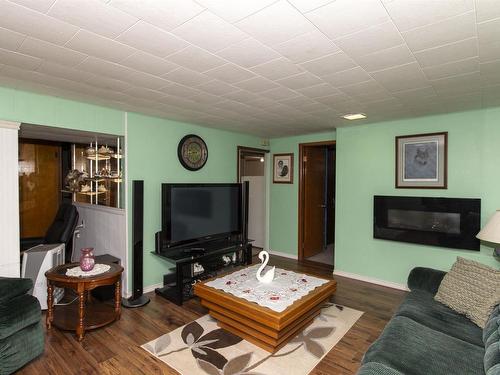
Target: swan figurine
269, 275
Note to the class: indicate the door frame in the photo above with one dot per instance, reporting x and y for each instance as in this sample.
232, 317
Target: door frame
302, 146
239, 149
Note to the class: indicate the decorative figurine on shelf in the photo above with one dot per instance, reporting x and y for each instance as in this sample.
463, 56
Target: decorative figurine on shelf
269, 275
74, 180
87, 259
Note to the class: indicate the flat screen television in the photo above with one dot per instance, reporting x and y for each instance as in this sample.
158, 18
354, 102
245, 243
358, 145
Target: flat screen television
200, 212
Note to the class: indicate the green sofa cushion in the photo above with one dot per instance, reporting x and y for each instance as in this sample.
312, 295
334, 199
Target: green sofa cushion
422, 308
491, 334
414, 349
13, 287
374, 368
18, 313
490, 331
20, 348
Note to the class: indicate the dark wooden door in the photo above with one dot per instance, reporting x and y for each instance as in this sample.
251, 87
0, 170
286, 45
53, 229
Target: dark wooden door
330, 196
314, 205
39, 187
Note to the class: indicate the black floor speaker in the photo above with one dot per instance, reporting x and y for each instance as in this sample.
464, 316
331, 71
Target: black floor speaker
137, 299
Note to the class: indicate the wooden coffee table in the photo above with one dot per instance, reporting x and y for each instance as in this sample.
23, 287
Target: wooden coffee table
262, 326
82, 316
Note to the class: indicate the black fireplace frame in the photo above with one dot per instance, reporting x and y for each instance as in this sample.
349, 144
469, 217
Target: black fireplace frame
468, 208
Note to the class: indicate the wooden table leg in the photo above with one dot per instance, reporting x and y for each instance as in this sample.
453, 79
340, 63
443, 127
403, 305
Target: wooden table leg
80, 330
50, 305
118, 299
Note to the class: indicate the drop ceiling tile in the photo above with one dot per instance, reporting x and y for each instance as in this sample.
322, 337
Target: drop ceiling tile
365, 89
490, 73
448, 31
457, 84
370, 40
10, 40
415, 94
51, 52
305, 6
488, 32
230, 73
340, 18
452, 69
347, 77
248, 53
275, 24
39, 5
487, 10
144, 93
323, 89
386, 58
30, 22
242, 96
196, 59
333, 100
104, 68
277, 69
234, 10
402, 77
329, 64
279, 93
300, 81
217, 87
205, 99
176, 89
98, 46
145, 80
297, 101
187, 77
19, 60
257, 84
307, 47
95, 16
411, 14
166, 14
461, 50
148, 63
210, 32
263, 103
489, 51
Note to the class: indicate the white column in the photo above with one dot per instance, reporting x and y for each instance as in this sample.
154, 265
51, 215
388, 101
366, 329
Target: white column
9, 199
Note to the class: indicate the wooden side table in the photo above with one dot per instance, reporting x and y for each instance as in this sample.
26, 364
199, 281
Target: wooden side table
82, 316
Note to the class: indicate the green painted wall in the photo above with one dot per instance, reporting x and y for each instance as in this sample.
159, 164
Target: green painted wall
22, 106
283, 222
365, 167
152, 157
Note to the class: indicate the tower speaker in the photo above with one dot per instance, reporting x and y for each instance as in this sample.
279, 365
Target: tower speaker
137, 299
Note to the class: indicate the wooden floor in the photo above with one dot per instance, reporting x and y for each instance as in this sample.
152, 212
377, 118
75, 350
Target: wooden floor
116, 349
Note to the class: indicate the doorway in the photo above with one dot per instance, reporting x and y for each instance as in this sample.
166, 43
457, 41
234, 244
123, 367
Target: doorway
252, 168
317, 202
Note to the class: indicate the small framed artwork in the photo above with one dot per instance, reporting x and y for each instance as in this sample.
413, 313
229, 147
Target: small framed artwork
283, 168
421, 161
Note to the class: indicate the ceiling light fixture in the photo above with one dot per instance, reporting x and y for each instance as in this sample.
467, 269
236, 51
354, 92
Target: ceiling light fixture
354, 116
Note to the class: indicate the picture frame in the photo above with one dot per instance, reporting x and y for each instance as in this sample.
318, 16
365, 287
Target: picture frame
422, 161
283, 168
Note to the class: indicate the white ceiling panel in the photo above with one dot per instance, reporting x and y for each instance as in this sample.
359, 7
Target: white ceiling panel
457, 85
487, 10
39, 5
230, 73
277, 69
51, 52
166, 14
196, 59
489, 32
234, 10
348, 77
461, 50
187, 77
148, 63
19, 60
99, 46
300, 81
279, 93
386, 58
217, 87
239, 53
10, 40
276, 24
305, 6
316, 91
209, 31
404, 77
306, 47
257, 84
452, 69
489, 51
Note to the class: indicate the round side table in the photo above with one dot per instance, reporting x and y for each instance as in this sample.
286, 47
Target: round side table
82, 316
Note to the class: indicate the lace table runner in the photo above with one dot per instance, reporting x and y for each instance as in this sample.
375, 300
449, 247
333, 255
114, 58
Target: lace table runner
286, 288
97, 270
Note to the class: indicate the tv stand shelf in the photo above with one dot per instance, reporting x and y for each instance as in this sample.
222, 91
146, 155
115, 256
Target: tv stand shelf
209, 255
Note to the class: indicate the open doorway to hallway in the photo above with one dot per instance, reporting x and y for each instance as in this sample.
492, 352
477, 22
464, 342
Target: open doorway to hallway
252, 168
317, 202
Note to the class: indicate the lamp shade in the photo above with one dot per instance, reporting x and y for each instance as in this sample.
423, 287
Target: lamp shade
491, 231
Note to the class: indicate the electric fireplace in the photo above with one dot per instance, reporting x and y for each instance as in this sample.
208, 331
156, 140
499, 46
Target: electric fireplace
444, 222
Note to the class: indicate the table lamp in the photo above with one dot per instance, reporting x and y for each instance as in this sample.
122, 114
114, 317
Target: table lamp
491, 232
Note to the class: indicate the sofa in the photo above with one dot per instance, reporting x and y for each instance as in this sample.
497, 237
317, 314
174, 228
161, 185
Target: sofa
426, 337
21, 332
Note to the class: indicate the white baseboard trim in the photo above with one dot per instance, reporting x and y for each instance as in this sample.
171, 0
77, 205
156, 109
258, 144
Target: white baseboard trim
371, 280
284, 255
151, 288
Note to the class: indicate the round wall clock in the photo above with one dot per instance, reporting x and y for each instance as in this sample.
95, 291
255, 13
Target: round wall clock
192, 152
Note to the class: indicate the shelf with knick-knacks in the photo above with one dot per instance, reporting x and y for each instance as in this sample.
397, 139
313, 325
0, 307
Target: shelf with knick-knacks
97, 173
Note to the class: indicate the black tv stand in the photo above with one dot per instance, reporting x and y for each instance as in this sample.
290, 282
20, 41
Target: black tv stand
209, 255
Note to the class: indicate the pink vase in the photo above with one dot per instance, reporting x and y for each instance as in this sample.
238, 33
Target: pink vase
87, 259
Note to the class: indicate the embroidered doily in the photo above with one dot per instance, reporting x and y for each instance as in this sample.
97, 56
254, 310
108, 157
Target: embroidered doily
286, 288
97, 270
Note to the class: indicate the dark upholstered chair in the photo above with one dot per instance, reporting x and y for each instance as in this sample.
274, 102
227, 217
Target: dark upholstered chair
21, 332
60, 231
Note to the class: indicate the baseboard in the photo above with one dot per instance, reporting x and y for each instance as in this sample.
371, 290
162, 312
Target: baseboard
151, 288
371, 280
284, 255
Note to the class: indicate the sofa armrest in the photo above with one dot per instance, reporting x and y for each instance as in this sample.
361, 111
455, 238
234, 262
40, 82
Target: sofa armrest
427, 279
13, 287
28, 243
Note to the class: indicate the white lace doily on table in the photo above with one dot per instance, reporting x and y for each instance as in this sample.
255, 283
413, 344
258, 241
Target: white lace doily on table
286, 288
97, 270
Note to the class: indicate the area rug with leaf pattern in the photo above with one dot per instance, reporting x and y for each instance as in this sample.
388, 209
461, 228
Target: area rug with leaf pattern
201, 347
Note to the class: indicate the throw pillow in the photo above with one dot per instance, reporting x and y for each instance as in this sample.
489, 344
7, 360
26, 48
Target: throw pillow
471, 289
